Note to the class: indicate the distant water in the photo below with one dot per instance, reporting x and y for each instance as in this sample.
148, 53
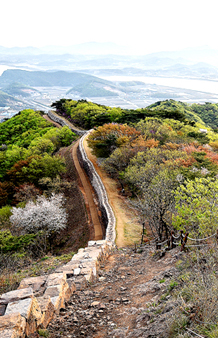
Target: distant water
199, 85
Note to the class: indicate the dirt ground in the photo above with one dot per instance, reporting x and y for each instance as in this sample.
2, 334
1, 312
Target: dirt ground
123, 301
128, 230
88, 195
54, 123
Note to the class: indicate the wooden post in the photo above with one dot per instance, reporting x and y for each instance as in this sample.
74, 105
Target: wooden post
143, 230
182, 236
171, 239
168, 244
184, 241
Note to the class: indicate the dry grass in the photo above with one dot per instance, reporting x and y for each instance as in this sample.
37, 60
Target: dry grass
198, 295
10, 277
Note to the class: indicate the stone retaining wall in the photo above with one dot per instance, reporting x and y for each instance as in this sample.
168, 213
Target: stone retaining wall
38, 299
107, 213
63, 123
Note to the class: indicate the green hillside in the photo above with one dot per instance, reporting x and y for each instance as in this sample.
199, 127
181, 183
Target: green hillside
172, 105
45, 79
208, 112
88, 114
18, 89
37, 186
94, 89
5, 99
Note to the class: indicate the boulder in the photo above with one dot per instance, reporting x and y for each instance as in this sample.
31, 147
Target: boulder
59, 295
47, 308
16, 295
36, 283
56, 279
12, 326
29, 309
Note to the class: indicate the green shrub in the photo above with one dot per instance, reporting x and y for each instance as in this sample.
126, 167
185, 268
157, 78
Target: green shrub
10, 243
5, 213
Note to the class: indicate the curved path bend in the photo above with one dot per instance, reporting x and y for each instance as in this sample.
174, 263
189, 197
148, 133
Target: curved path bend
128, 228
87, 188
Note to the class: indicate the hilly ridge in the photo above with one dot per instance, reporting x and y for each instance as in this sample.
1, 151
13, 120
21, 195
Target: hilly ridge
44, 79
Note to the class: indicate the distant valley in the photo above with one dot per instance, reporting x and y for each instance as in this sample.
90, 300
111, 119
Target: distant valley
37, 77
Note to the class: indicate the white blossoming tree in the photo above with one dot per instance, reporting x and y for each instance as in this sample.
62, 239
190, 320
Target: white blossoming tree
45, 214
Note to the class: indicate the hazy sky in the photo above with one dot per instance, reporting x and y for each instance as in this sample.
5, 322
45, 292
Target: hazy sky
145, 25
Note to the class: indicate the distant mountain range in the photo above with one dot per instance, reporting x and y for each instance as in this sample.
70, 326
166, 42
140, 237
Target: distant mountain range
195, 54
100, 60
83, 48
20, 82
44, 79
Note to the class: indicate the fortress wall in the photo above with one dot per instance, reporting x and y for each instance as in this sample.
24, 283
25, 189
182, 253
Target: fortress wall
108, 217
38, 299
63, 123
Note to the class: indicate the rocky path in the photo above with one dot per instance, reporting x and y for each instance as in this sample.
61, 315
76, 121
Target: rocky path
122, 301
125, 299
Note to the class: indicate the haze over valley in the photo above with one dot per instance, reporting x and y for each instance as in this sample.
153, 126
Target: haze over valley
103, 73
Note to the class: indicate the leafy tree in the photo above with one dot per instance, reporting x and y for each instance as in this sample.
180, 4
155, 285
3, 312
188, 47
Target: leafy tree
5, 213
146, 165
118, 161
60, 137
10, 157
22, 128
56, 185
3, 195
6, 193
39, 146
105, 139
156, 202
154, 128
207, 112
196, 205
36, 167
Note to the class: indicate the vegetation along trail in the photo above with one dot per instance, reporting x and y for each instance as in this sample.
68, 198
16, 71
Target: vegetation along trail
87, 191
127, 227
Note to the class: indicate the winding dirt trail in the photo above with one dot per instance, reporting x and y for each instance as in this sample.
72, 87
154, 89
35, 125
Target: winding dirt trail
49, 120
87, 190
88, 193
128, 230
